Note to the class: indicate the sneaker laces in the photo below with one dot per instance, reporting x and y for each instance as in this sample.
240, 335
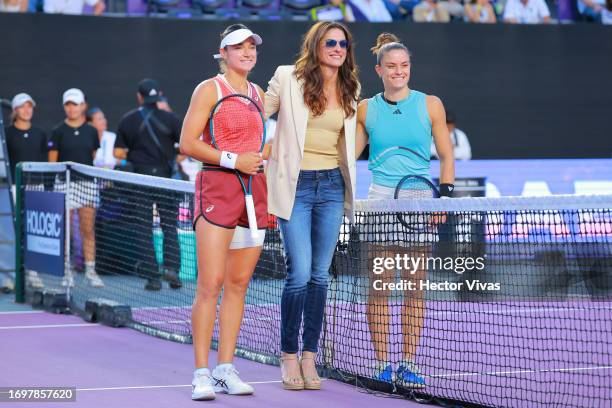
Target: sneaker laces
232, 373
412, 367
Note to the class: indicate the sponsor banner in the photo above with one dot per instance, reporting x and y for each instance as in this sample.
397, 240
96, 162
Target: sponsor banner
44, 229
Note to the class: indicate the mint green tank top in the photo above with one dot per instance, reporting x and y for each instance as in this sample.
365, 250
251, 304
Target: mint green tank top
405, 124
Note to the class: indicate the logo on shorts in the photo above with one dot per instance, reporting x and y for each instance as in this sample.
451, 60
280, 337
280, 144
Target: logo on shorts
210, 208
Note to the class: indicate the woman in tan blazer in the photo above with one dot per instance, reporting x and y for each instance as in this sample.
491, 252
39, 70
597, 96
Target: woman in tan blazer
311, 182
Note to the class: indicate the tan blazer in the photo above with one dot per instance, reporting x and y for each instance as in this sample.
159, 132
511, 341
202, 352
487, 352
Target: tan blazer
284, 95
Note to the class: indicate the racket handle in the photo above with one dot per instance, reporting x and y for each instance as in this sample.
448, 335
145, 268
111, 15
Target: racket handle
250, 207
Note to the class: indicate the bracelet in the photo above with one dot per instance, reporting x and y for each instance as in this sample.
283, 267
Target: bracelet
446, 189
228, 160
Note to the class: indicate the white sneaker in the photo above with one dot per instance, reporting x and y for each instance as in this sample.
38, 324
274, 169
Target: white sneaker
94, 279
33, 280
226, 380
201, 386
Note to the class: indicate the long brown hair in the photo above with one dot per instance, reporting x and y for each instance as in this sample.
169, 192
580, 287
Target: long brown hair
308, 71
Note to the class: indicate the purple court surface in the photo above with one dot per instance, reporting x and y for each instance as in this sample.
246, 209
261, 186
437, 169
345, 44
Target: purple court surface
125, 368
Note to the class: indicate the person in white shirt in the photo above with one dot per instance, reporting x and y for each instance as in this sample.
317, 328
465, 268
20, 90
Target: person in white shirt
526, 12
461, 145
606, 13
73, 6
104, 155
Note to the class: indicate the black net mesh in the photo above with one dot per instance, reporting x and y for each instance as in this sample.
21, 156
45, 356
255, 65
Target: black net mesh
488, 302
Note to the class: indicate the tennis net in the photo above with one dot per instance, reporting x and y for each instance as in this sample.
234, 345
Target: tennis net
494, 302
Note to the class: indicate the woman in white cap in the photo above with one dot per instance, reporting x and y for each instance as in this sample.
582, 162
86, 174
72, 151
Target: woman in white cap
77, 141
25, 142
227, 254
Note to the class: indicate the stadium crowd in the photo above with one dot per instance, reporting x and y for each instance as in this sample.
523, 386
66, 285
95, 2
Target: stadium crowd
439, 11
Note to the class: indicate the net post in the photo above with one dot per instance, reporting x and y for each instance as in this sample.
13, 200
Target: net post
18, 221
68, 223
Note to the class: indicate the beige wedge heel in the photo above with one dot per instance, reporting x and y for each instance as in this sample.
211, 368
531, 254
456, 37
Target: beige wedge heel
290, 383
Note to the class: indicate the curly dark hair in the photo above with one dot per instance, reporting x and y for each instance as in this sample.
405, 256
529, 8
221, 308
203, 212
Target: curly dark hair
308, 71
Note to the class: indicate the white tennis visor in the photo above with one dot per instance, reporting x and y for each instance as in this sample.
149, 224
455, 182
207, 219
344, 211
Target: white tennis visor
236, 37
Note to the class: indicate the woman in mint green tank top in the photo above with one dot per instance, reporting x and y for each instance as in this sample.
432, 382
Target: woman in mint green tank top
400, 117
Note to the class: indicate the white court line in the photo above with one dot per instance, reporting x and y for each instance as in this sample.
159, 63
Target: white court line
362, 316
146, 387
544, 370
49, 326
22, 312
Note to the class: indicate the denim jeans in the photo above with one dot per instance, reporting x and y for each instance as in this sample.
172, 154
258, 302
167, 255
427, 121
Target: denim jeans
309, 238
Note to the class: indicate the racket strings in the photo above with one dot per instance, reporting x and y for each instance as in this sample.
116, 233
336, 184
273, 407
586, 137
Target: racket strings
237, 125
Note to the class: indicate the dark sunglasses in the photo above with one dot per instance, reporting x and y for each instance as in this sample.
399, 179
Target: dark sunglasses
333, 43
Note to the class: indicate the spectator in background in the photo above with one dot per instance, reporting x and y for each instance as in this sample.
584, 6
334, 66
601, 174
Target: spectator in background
591, 10
75, 140
479, 11
606, 14
461, 144
146, 137
455, 8
373, 11
400, 8
73, 6
429, 11
104, 155
526, 12
14, 6
25, 142
335, 10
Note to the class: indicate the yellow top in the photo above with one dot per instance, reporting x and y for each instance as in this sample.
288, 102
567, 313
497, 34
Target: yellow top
320, 146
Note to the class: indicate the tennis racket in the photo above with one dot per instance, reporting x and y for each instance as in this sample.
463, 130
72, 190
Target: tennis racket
416, 187
237, 125
410, 186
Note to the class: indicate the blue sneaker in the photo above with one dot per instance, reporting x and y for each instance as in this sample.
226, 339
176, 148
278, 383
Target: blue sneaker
408, 376
384, 372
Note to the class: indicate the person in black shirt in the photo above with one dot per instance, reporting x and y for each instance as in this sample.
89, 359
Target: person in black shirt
77, 141
25, 142
147, 137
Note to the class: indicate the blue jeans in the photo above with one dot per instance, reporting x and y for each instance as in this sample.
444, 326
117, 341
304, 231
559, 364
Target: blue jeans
309, 238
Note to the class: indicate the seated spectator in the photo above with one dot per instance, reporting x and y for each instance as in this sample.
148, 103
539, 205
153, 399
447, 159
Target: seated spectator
606, 14
454, 7
479, 11
334, 10
526, 12
400, 8
429, 11
461, 145
591, 10
104, 155
14, 6
367, 10
73, 6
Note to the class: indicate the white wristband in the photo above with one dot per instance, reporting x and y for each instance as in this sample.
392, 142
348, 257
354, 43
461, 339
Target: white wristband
228, 160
